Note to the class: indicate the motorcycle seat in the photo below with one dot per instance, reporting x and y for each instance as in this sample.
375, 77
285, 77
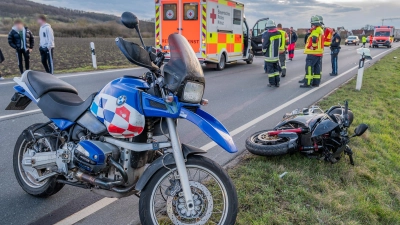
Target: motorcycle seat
64, 105
41, 83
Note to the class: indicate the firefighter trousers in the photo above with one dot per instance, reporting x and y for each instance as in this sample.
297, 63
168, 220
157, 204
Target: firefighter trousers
272, 69
282, 63
313, 70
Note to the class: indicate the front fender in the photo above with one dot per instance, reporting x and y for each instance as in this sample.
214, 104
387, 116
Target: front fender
163, 161
211, 127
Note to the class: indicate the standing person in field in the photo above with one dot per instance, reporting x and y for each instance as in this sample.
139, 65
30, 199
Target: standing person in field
271, 42
21, 39
335, 49
364, 41
371, 38
292, 43
46, 48
282, 50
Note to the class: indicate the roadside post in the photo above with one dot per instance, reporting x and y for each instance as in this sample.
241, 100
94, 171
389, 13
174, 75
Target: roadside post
364, 54
94, 60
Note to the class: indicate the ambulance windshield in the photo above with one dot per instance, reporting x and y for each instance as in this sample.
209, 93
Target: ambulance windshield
183, 65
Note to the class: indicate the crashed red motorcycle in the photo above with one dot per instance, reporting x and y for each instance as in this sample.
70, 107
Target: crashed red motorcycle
311, 131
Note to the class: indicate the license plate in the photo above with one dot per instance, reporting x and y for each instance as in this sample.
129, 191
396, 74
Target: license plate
380, 44
259, 45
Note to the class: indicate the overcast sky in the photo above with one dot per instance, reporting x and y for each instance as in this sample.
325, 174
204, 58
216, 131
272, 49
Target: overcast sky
352, 14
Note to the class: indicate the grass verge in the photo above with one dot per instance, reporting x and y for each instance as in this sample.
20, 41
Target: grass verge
316, 192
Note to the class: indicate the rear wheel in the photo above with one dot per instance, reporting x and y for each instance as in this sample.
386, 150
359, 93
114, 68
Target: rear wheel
251, 58
26, 175
222, 63
262, 144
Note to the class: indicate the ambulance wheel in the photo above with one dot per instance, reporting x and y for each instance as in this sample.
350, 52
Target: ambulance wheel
251, 58
222, 63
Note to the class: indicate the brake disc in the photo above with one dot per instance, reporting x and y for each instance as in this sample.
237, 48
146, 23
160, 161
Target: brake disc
203, 206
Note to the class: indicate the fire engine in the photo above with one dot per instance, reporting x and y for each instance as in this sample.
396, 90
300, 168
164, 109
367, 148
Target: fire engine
216, 29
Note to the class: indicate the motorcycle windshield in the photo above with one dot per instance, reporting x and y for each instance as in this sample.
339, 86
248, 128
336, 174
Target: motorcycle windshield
183, 64
324, 127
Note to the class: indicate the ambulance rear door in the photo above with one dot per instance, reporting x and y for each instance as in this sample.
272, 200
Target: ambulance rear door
169, 16
191, 18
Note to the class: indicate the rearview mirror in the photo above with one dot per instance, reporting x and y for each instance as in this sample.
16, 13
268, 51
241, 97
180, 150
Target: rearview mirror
129, 20
360, 130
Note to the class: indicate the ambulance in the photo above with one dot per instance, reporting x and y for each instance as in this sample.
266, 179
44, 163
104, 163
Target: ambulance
216, 29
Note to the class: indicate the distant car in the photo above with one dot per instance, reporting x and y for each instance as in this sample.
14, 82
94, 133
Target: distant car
352, 40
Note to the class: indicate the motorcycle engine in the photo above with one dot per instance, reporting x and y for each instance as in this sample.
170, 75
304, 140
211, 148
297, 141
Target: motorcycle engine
91, 156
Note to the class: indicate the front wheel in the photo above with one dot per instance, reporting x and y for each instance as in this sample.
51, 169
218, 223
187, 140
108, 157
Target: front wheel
214, 195
262, 144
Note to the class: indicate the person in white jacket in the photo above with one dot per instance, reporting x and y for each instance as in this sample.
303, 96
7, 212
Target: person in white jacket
46, 36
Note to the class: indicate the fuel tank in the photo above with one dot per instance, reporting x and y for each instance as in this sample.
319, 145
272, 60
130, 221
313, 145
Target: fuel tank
118, 106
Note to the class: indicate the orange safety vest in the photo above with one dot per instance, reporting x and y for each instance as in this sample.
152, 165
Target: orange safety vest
315, 48
328, 37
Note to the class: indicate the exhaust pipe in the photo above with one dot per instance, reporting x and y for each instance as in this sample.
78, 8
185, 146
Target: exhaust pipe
106, 184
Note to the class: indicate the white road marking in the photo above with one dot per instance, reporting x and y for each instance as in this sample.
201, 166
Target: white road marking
87, 211
84, 74
20, 114
106, 201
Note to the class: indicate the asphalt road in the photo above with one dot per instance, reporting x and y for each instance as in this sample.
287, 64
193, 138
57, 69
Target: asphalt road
238, 96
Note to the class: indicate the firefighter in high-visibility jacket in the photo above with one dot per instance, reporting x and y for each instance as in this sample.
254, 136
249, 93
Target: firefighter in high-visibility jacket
315, 50
283, 50
271, 43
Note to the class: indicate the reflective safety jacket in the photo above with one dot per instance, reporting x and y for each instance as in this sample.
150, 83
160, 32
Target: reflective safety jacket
284, 41
364, 39
315, 42
272, 39
328, 36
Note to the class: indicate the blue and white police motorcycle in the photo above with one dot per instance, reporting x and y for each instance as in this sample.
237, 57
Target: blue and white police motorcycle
104, 143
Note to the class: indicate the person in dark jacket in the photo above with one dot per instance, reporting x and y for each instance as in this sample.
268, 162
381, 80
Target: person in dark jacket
1, 60
307, 35
271, 43
335, 49
292, 43
21, 39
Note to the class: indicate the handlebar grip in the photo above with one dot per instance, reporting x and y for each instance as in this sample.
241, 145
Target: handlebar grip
346, 113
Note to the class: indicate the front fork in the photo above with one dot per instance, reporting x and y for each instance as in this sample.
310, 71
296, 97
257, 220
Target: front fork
180, 163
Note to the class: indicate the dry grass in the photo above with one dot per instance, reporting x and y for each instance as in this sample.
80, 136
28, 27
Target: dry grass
70, 54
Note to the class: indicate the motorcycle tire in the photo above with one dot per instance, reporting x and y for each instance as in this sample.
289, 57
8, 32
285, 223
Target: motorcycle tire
202, 163
267, 149
42, 189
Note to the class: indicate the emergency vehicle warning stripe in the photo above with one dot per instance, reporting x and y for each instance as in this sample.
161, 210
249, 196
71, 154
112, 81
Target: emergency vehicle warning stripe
157, 26
204, 30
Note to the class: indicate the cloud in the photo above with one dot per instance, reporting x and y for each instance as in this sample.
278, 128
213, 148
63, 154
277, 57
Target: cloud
296, 13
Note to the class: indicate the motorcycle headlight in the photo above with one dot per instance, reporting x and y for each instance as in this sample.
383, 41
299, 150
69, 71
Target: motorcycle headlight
193, 92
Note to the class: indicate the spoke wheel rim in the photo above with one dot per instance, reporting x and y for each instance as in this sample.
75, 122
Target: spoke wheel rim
207, 214
26, 172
